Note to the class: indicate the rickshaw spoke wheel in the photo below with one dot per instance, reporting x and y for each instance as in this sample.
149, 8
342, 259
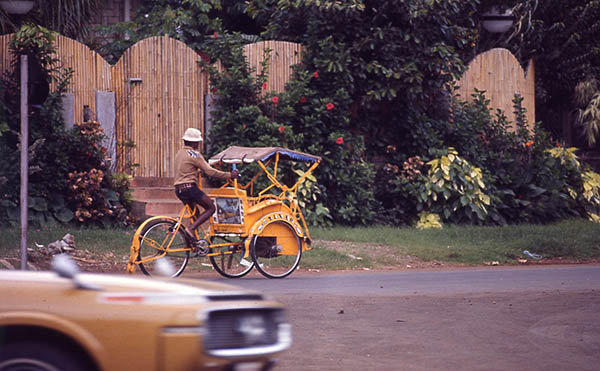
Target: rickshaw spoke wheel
154, 241
276, 250
229, 260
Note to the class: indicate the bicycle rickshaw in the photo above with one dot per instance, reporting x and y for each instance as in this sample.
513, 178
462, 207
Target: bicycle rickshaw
266, 231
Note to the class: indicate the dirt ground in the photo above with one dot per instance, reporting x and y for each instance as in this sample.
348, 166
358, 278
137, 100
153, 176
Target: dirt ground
384, 257
113, 263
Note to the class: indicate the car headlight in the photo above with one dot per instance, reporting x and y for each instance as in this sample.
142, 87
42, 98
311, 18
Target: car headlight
246, 332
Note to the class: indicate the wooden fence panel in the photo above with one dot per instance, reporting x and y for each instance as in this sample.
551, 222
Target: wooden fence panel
499, 73
5, 54
283, 56
159, 92
160, 88
90, 71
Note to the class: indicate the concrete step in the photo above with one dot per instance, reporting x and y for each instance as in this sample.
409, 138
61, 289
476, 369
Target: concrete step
143, 209
151, 193
151, 182
154, 196
143, 182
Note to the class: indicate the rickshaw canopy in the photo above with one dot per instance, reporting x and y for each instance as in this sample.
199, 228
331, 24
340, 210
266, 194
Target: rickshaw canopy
238, 155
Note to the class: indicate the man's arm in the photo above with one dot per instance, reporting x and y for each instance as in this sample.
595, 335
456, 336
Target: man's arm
211, 171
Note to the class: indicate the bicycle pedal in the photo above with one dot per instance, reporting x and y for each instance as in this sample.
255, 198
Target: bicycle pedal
201, 248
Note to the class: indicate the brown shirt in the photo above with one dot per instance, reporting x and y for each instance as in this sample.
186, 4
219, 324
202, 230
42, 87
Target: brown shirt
188, 162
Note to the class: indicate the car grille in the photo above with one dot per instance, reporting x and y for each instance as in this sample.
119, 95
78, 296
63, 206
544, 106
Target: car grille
242, 328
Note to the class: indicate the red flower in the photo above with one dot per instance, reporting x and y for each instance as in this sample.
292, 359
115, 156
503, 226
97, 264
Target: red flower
329, 106
281, 129
215, 35
529, 144
213, 90
244, 126
303, 100
275, 99
316, 75
558, 144
264, 85
339, 140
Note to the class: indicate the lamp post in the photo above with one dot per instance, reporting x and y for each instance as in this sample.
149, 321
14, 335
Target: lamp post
19, 7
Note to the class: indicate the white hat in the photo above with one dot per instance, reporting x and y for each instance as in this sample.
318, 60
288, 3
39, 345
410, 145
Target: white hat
192, 135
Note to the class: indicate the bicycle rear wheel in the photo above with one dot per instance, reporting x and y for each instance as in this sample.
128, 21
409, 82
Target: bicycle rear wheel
156, 250
276, 249
228, 258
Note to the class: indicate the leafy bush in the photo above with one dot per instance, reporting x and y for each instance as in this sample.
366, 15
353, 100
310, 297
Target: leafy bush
428, 221
453, 189
55, 195
308, 195
95, 195
526, 176
591, 194
305, 118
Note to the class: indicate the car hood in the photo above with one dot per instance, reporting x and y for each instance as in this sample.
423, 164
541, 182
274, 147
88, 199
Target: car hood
129, 284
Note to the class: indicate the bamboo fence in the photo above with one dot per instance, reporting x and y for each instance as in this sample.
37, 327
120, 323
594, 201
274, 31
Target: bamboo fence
500, 74
283, 55
159, 93
5, 54
160, 89
91, 72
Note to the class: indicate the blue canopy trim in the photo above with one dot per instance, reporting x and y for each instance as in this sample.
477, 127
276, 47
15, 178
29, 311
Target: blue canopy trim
237, 155
298, 156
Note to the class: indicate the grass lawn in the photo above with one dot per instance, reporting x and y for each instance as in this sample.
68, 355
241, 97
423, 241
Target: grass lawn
374, 247
577, 240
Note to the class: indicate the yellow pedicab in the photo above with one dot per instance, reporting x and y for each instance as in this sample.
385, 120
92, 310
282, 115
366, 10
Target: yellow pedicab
266, 230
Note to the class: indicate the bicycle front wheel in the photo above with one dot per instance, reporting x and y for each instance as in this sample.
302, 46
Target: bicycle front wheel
162, 242
276, 250
227, 257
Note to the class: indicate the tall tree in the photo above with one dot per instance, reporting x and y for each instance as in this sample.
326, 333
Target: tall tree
187, 21
71, 18
393, 57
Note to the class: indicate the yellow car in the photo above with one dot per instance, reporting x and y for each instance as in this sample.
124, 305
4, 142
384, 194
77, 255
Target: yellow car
65, 320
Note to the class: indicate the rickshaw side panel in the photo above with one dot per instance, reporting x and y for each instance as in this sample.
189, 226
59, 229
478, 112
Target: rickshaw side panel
248, 215
282, 236
254, 213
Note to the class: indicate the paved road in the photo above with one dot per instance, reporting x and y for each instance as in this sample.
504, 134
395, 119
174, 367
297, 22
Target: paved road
495, 318
457, 281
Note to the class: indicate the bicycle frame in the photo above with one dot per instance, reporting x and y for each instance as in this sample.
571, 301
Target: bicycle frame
186, 213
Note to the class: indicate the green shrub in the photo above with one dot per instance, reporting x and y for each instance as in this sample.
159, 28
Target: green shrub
57, 158
452, 188
527, 177
316, 213
304, 118
428, 221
